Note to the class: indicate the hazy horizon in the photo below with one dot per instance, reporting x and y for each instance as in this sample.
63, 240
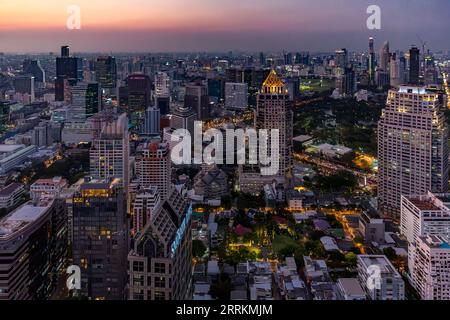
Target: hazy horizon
28, 26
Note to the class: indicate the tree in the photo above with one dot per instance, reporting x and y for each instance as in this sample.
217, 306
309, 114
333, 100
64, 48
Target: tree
198, 248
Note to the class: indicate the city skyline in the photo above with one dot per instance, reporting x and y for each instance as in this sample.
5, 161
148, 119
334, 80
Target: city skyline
143, 26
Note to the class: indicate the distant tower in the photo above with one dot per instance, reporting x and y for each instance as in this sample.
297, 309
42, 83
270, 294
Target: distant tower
414, 65
371, 62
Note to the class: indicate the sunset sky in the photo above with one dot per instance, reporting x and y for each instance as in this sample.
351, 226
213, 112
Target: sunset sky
211, 25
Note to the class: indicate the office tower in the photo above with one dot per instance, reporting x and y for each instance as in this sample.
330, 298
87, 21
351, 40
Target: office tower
431, 268
183, 118
105, 72
42, 135
423, 215
288, 58
412, 147
262, 59
154, 166
33, 244
395, 76
163, 104
139, 89
67, 68
346, 82
197, 99
404, 74
234, 75
389, 286
162, 85
25, 85
34, 68
414, 65
292, 85
274, 111
236, 96
100, 239
341, 58
371, 62
86, 99
384, 57
147, 201
216, 88
160, 262
152, 122
65, 51
110, 152
430, 73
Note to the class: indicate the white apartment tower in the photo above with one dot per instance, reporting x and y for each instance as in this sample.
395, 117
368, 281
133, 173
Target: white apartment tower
412, 147
431, 275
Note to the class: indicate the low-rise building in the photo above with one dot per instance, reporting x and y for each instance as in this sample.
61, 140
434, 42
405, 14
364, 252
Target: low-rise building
350, 289
379, 278
11, 195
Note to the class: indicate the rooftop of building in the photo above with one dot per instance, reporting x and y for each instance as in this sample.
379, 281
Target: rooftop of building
378, 260
351, 286
22, 217
8, 148
437, 242
9, 189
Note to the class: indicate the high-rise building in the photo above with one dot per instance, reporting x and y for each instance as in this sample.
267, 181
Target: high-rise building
33, 250
146, 202
42, 135
346, 82
106, 72
414, 65
412, 147
110, 152
274, 111
154, 166
384, 57
100, 239
424, 215
86, 99
139, 90
395, 79
236, 96
24, 84
341, 58
388, 286
160, 262
216, 88
152, 121
67, 68
34, 68
162, 85
183, 118
197, 99
371, 62
431, 268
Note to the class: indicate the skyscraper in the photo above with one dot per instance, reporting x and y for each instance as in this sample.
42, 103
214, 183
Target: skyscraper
67, 68
152, 122
414, 65
197, 99
412, 147
371, 62
100, 239
160, 262
110, 152
154, 167
86, 98
183, 118
341, 58
274, 111
138, 92
33, 249
384, 57
236, 96
106, 72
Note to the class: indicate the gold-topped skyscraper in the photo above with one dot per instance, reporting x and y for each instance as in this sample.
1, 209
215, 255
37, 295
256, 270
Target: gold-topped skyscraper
274, 111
